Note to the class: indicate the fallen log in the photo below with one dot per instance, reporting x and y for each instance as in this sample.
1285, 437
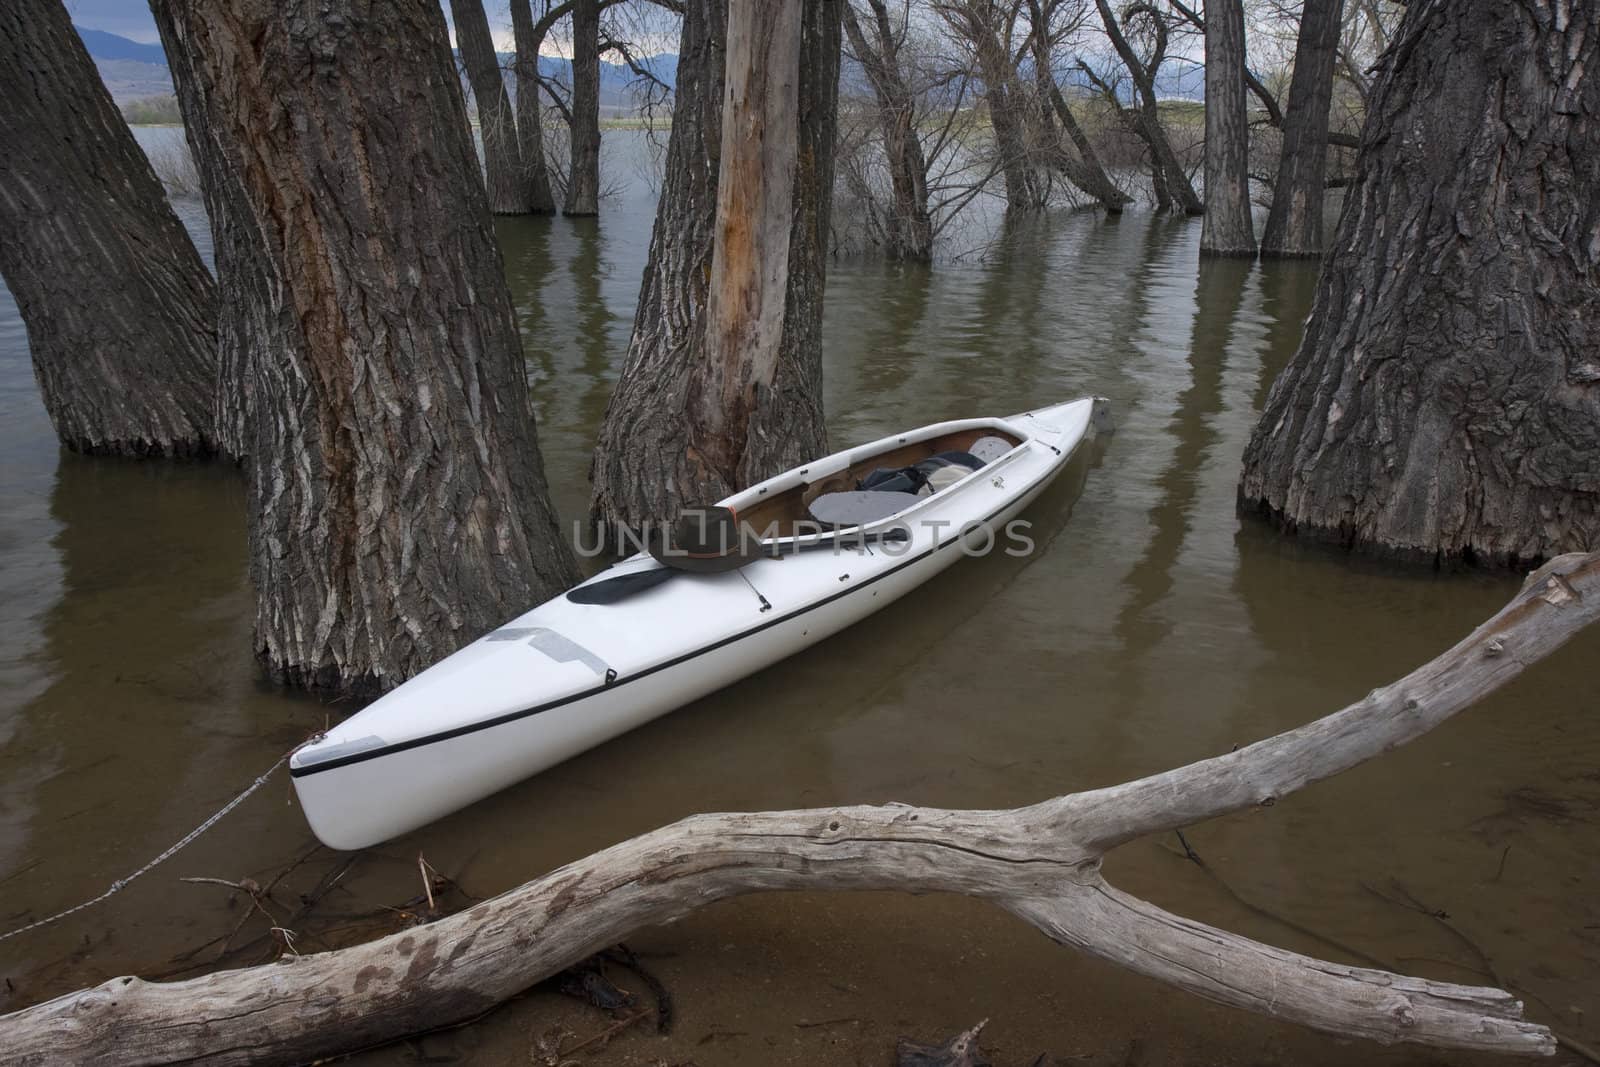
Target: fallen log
1040, 862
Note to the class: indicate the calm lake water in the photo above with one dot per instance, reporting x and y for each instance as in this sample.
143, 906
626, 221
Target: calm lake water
1151, 628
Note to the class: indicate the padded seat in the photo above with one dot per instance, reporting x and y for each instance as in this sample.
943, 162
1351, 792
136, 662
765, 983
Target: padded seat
859, 506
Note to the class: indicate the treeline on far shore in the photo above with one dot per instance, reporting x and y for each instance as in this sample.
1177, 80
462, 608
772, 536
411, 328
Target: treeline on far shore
159, 110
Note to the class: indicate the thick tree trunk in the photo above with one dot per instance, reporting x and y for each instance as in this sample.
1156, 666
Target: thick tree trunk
535, 174
1227, 229
1172, 184
1445, 401
583, 184
1294, 222
1043, 863
120, 312
397, 504
1085, 171
641, 470
502, 161
722, 386
756, 397
910, 226
244, 288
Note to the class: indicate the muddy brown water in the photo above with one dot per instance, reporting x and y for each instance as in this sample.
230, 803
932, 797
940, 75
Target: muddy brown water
1150, 628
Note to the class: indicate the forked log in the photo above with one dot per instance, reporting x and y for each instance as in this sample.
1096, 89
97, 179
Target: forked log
1040, 862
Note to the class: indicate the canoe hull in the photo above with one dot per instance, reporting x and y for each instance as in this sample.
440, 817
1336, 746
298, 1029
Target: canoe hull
368, 797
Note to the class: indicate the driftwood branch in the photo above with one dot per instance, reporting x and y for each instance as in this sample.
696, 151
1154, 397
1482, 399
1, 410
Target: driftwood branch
1041, 862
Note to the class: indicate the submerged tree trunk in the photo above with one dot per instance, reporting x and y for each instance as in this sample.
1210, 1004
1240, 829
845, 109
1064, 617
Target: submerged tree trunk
910, 226
722, 386
535, 175
244, 288
583, 184
508, 194
1227, 229
1085, 171
1294, 222
641, 470
1010, 140
397, 504
987, 29
120, 312
1445, 401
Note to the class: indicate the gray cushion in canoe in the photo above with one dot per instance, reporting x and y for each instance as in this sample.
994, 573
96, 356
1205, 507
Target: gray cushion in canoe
990, 448
859, 507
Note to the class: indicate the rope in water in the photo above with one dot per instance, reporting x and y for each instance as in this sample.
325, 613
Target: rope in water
122, 883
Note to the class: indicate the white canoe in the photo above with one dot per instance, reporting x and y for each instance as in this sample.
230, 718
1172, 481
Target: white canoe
564, 676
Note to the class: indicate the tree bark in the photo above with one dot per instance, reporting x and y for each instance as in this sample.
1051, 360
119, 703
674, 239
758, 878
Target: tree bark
502, 162
535, 174
1227, 229
119, 308
756, 398
1085, 171
716, 392
909, 225
397, 503
1172, 182
1445, 400
583, 184
641, 471
243, 286
980, 23
1042, 863
1294, 222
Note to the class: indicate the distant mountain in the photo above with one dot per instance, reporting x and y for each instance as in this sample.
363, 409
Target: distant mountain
131, 70
103, 45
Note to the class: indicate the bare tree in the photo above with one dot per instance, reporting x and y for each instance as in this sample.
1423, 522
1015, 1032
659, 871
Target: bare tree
529, 37
1445, 400
397, 503
722, 384
988, 28
1172, 182
508, 192
909, 224
583, 177
1081, 166
120, 312
1227, 229
1294, 223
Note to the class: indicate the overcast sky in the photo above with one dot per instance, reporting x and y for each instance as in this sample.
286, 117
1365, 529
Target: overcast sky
131, 19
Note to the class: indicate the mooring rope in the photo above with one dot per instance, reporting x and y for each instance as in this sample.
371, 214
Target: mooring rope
122, 883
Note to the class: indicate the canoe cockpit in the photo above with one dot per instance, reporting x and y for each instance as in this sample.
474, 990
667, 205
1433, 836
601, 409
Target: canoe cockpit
790, 510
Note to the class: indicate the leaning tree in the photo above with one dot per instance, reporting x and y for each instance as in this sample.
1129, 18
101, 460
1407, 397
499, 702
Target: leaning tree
1294, 222
722, 383
397, 502
120, 312
509, 191
909, 223
1445, 400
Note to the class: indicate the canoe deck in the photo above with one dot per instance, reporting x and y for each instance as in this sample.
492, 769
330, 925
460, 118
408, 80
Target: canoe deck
565, 676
